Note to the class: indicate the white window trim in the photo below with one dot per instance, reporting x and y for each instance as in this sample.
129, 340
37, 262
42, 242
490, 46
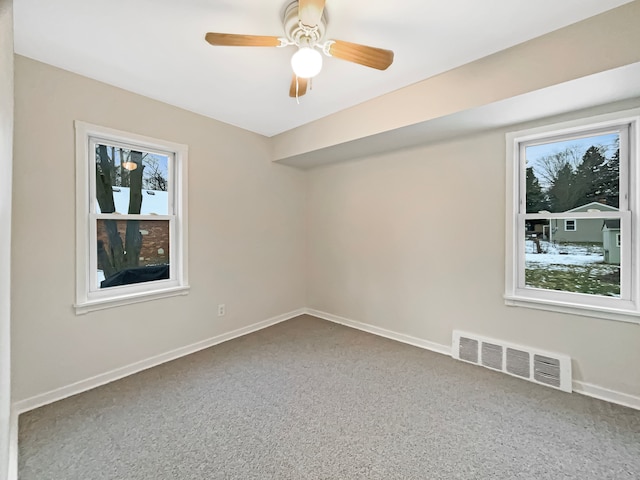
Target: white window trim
88, 300
575, 225
626, 310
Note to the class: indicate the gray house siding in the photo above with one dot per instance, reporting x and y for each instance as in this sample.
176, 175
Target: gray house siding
585, 230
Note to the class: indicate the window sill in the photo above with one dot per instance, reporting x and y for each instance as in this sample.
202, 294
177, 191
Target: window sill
104, 303
626, 316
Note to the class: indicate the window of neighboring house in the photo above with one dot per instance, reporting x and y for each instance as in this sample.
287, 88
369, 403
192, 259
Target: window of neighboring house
131, 217
581, 170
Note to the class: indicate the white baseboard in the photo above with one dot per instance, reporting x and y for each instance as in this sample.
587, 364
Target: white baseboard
606, 394
107, 377
382, 332
580, 387
118, 373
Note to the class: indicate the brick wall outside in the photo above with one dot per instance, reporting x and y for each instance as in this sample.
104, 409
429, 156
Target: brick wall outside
155, 240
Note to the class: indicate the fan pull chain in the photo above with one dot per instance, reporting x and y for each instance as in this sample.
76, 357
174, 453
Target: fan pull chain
297, 87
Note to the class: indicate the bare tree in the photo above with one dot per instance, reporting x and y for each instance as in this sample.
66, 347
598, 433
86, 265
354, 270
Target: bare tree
118, 255
548, 167
155, 175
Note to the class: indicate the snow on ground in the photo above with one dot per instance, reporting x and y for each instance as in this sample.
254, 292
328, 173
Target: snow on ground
573, 255
572, 268
555, 259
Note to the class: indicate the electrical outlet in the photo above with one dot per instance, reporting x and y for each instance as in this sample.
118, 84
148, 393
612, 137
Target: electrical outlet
221, 310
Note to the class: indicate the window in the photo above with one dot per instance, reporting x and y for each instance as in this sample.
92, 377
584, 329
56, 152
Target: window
131, 217
558, 175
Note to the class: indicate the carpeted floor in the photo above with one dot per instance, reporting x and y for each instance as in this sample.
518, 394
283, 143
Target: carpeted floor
307, 399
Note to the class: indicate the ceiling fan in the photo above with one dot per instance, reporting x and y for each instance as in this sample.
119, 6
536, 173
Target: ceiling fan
304, 26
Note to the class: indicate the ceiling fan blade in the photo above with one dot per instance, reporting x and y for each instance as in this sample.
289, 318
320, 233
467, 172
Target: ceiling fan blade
301, 87
378, 58
310, 12
235, 40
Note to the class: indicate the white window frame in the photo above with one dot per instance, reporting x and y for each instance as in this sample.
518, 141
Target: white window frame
89, 297
626, 308
574, 225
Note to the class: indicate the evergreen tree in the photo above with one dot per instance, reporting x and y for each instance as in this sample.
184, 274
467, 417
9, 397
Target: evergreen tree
536, 198
610, 180
562, 192
589, 177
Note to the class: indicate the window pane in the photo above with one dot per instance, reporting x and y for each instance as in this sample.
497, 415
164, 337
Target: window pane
573, 175
130, 181
586, 260
132, 251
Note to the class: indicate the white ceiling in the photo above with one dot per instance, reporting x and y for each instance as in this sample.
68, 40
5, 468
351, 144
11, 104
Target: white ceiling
156, 48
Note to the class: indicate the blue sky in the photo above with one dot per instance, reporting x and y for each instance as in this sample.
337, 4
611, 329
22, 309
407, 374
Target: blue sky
535, 153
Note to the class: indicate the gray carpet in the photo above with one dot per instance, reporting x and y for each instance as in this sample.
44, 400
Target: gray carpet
307, 399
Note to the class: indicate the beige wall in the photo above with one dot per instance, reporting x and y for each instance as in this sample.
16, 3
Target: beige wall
6, 154
414, 242
246, 233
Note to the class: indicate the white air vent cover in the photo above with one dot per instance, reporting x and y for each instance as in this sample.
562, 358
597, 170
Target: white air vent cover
537, 366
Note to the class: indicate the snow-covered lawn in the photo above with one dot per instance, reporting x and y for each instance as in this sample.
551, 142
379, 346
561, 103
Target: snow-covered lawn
573, 255
571, 268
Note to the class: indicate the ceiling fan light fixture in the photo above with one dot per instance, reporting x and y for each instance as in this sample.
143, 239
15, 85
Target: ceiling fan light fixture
305, 23
306, 62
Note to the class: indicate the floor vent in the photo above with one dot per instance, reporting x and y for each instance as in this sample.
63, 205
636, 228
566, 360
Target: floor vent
537, 366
